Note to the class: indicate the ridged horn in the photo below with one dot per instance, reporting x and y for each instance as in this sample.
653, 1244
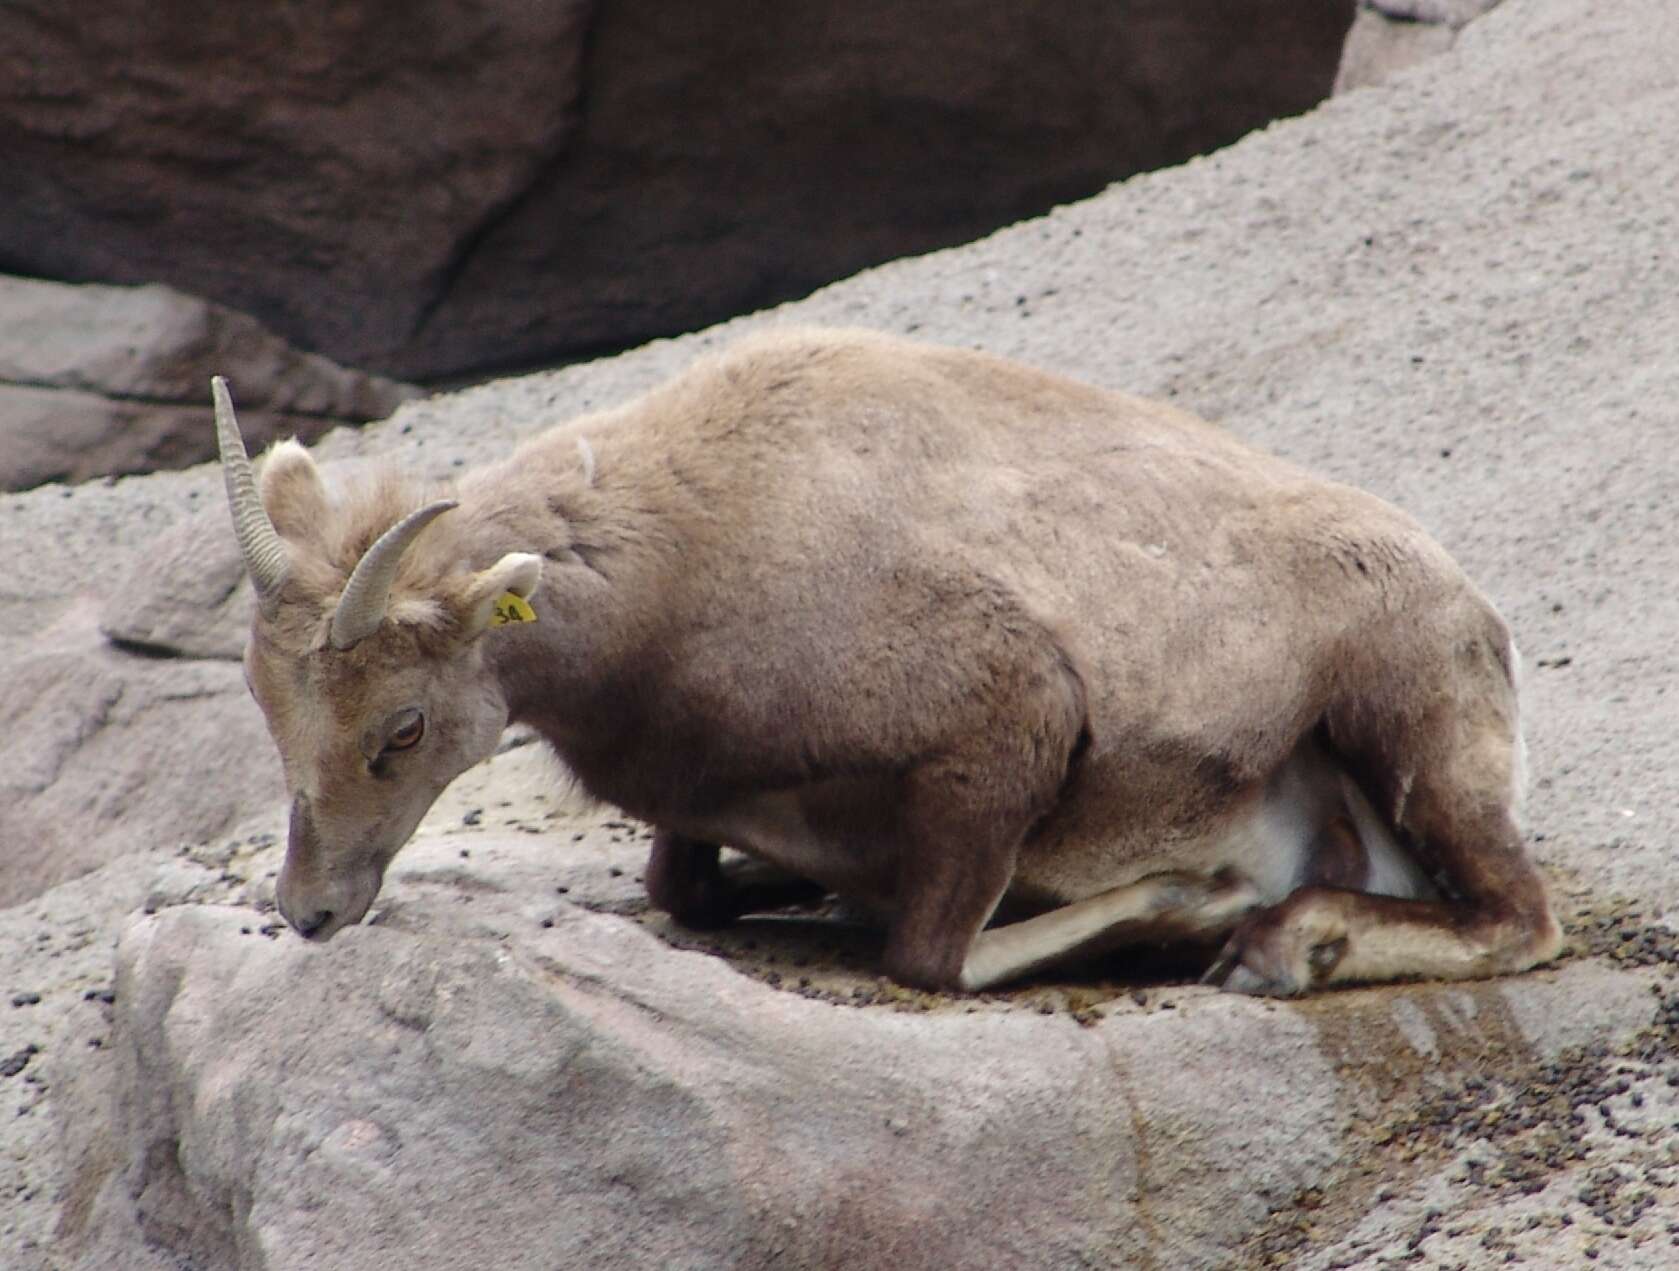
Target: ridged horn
266, 557
362, 606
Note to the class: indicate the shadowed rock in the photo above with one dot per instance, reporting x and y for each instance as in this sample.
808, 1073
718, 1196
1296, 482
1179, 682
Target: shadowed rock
493, 185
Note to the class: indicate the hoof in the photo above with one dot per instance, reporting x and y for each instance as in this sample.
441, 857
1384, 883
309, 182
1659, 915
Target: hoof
1286, 950
1270, 959
1231, 973
1242, 980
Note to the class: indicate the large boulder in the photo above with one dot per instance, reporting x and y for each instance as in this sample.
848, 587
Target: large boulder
522, 1083
1452, 289
433, 189
98, 381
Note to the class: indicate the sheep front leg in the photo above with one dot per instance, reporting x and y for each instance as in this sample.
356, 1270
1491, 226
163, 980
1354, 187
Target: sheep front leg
1160, 908
686, 880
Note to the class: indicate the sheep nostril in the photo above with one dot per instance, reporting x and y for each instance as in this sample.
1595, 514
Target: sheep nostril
311, 925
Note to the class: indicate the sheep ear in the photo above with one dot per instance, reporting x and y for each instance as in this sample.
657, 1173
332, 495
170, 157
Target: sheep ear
500, 595
293, 493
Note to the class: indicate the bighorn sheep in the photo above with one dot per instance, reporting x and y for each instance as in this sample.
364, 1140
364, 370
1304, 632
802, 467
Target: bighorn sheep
932, 630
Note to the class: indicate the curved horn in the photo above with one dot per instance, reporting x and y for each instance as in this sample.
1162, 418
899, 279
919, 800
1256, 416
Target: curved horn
362, 606
265, 552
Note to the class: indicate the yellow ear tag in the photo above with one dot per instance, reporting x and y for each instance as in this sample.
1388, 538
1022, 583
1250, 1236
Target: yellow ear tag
511, 608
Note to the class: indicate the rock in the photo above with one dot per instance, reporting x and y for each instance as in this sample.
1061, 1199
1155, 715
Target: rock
188, 596
641, 1107
104, 752
1387, 36
495, 185
1453, 13
101, 380
108, 748
1452, 289
64, 939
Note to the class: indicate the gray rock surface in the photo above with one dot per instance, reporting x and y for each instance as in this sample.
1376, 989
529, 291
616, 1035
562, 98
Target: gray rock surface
104, 750
98, 381
496, 185
1455, 289
638, 1106
1387, 36
107, 749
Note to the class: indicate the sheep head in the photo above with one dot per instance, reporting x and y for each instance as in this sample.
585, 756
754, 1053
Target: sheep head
366, 657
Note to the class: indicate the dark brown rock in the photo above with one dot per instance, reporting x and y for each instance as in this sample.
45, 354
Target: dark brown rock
319, 166
449, 187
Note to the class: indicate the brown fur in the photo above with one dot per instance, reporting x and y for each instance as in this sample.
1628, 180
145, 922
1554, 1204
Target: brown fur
933, 628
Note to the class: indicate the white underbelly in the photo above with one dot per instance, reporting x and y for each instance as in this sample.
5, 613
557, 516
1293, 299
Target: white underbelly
1268, 840
1272, 844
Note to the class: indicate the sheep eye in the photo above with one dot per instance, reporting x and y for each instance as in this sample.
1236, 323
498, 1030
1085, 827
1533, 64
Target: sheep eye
407, 734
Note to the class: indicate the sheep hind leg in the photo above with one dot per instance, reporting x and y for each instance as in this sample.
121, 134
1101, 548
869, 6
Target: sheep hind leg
1321, 936
1497, 919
